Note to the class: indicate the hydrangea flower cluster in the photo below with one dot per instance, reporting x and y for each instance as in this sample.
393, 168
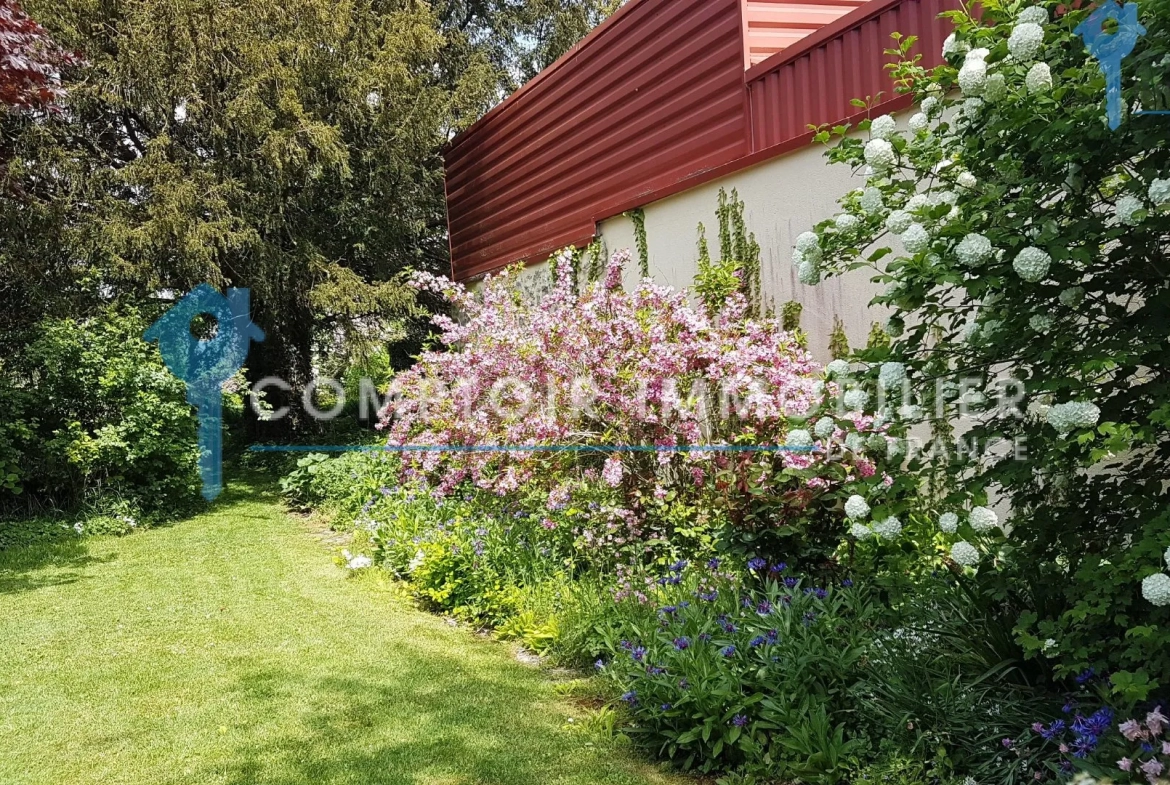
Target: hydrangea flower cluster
880, 155
983, 519
882, 127
1039, 79
948, 522
1160, 192
1026, 39
1067, 417
974, 249
1127, 208
889, 528
964, 553
856, 507
1032, 264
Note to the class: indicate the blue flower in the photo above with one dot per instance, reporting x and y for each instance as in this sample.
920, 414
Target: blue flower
1099, 722
759, 640
600, 664
847, 583
756, 564
739, 720
1083, 745
778, 567
678, 566
631, 698
666, 707
626, 645
713, 564
728, 627
1085, 676
773, 636
655, 670
727, 651
682, 643
683, 684
704, 636
809, 618
1054, 730
668, 610
746, 602
638, 653
791, 582
707, 596
764, 608
821, 593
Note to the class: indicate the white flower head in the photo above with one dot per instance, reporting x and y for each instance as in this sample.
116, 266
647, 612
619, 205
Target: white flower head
860, 531
359, 562
898, 221
856, 399
1160, 192
948, 522
973, 74
846, 222
909, 411
825, 428
983, 519
894, 449
967, 180
1166, 556
995, 88
916, 239
929, 105
854, 442
855, 507
1072, 296
1032, 264
891, 375
889, 528
919, 122
871, 201
808, 273
880, 155
973, 250
1033, 14
882, 127
1039, 79
799, 439
965, 553
1127, 208
1041, 323
1067, 417
797, 258
954, 46
917, 202
1156, 589
808, 242
1025, 41
837, 369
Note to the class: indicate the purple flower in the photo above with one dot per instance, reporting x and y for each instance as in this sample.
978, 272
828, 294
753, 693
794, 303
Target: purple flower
809, 618
764, 608
778, 567
599, 665
759, 640
1007, 743
1152, 768
682, 643
666, 707
655, 670
1085, 676
773, 636
1125, 764
820, 593
626, 645
1037, 727
638, 653
848, 584
668, 610
727, 651
791, 582
739, 720
704, 636
713, 564
707, 596
631, 698
756, 564
678, 566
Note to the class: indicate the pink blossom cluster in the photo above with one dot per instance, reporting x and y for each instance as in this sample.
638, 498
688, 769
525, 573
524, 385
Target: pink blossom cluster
602, 367
1149, 734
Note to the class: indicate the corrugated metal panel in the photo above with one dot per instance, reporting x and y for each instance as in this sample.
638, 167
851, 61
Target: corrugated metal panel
813, 81
774, 25
652, 96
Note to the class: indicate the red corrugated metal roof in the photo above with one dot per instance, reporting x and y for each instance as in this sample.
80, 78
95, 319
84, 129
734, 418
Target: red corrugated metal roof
655, 101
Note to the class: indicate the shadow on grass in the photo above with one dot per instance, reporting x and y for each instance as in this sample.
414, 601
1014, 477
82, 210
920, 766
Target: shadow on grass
403, 726
46, 564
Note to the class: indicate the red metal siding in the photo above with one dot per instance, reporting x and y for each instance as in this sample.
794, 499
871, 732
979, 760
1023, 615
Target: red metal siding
813, 81
654, 102
652, 96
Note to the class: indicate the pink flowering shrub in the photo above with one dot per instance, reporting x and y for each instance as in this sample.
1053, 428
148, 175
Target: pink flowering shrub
620, 374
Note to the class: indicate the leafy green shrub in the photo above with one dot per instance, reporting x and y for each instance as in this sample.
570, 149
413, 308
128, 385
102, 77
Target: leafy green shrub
724, 673
94, 411
1033, 243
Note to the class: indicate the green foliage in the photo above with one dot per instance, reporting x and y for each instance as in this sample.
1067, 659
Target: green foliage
719, 674
1071, 300
790, 313
94, 412
839, 341
637, 217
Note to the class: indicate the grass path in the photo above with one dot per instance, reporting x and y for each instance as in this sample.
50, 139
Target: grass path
230, 649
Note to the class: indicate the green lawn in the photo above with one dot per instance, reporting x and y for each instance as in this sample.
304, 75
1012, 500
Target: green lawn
230, 649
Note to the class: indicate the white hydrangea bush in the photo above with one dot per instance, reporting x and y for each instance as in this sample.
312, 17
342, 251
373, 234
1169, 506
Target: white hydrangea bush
1016, 234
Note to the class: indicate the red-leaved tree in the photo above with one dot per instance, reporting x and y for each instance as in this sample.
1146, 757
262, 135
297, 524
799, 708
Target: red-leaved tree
30, 61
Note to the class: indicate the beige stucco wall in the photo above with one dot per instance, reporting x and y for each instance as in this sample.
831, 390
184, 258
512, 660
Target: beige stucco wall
782, 198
